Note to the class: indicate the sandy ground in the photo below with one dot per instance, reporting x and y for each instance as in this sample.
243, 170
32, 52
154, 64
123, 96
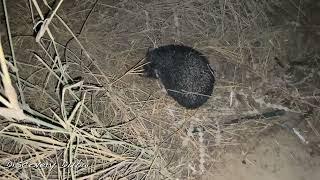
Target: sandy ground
280, 157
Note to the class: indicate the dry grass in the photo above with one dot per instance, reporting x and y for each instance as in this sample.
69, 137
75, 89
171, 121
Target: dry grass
110, 123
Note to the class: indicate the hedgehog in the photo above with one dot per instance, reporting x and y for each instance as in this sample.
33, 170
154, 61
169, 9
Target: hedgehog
184, 72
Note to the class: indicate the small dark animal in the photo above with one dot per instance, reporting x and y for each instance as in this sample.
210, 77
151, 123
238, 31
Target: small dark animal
184, 72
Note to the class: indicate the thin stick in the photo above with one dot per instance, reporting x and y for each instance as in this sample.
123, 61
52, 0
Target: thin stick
12, 51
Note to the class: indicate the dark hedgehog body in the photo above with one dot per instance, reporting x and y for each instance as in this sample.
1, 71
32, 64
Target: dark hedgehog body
184, 72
